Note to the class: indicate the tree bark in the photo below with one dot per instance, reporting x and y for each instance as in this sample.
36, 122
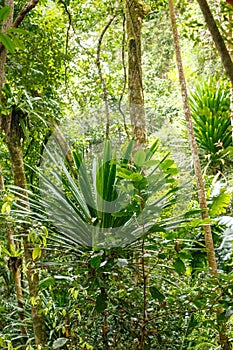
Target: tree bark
217, 38
193, 145
135, 12
12, 137
224, 340
14, 264
10, 125
3, 53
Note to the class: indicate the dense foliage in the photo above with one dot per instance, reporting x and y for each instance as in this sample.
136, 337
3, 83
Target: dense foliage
112, 236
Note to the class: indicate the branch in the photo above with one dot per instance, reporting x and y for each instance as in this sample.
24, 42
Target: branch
22, 13
125, 79
104, 87
217, 38
24, 10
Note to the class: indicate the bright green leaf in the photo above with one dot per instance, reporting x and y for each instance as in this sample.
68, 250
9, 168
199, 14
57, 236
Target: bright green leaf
7, 42
4, 13
140, 158
6, 208
136, 177
36, 253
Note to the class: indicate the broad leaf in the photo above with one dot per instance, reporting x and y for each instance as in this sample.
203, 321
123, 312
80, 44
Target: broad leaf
101, 303
4, 12
156, 294
179, 266
7, 42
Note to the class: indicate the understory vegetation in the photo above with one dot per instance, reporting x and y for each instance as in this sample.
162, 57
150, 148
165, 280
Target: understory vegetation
116, 145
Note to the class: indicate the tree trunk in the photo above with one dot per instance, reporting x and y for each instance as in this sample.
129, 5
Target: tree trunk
3, 53
14, 264
135, 12
11, 127
217, 38
12, 137
230, 48
2, 186
224, 340
193, 145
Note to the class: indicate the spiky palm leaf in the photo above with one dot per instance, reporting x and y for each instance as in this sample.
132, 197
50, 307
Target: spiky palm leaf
210, 108
119, 203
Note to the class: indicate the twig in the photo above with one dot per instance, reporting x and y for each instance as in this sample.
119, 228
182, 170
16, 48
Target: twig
24, 10
70, 24
22, 13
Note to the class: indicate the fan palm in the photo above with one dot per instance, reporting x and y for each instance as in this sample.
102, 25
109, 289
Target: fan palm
121, 201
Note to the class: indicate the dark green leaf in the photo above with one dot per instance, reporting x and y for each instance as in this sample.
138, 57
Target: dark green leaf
49, 281
96, 261
156, 294
179, 266
101, 303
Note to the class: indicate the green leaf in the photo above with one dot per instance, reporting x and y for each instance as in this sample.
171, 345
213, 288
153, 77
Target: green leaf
140, 158
6, 208
156, 294
124, 173
4, 12
101, 303
220, 203
7, 42
149, 163
36, 253
179, 266
136, 177
18, 43
24, 128
58, 343
46, 282
17, 31
96, 261
221, 318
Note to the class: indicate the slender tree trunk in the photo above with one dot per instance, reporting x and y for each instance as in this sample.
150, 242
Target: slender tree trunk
217, 38
193, 145
14, 265
14, 262
11, 127
135, 12
230, 47
3, 52
224, 340
12, 137
2, 185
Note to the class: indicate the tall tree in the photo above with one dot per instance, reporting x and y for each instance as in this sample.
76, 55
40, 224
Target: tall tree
217, 38
10, 124
136, 10
224, 340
